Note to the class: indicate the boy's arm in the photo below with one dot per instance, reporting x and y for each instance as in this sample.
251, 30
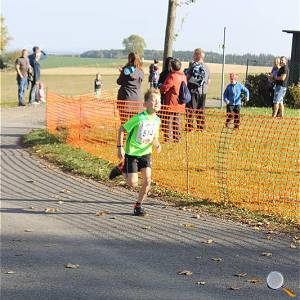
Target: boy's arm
120, 140
157, 144
225, 95
245, 91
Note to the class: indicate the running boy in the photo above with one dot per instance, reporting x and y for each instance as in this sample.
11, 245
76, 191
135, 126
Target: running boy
142, 132
232, 97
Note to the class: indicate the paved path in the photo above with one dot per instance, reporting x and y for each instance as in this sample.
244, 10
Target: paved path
120, 256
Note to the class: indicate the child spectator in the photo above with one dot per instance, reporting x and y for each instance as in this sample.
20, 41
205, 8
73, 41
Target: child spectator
232, 97
98, 86
142, 132
170, 90
154, 74
41, 92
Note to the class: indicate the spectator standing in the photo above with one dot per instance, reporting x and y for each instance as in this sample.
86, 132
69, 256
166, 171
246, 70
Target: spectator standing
198, 76
163, 75
173, 109
130, 81
98, 86
34, 60
22, 67
272, 75
281, 83
154, 74
232, 97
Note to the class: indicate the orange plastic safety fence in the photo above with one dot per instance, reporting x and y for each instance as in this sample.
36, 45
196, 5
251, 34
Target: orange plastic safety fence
252, 161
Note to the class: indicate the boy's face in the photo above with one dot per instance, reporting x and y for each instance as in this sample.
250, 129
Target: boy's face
198, 56
232, 78
153, 104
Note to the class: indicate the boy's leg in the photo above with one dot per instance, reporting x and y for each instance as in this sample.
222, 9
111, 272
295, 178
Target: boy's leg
275, 110
281, 110
229, 110
201, 107
236, 111
167, 125
176, 127
132, 179
276, 100
146, 184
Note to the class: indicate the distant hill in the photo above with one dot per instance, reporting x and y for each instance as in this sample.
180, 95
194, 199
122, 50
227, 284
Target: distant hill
211, 57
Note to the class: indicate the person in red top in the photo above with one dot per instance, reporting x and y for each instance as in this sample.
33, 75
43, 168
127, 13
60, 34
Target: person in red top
170, 88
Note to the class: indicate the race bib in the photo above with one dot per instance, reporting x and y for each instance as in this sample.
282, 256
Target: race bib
146, 132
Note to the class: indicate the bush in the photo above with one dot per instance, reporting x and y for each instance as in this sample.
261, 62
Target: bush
260, 92
292, 97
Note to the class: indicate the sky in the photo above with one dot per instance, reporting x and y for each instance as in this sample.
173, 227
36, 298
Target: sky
252, 26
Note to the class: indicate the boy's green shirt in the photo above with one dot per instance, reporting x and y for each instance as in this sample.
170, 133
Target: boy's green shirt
141, 130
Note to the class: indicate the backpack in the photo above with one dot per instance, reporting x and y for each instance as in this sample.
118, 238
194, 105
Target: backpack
198, 75
184, 94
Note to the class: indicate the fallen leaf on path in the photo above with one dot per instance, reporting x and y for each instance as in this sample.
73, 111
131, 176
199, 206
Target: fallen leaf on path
268, 237
289, 292
234, 288
253, 280
188, 225
201, 282
182, 208
269, 254
146, 227
65, 191
71, 266
28, 230
31, 207
185, 272
30, 181
208, 242
240, 274
218, 259
293, 246
196, 217
50, 210
101, 213
9, 272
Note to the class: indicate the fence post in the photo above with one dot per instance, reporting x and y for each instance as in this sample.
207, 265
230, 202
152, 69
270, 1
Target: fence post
80, 113
187, 164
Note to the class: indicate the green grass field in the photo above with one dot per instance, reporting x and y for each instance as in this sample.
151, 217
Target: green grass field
66, 61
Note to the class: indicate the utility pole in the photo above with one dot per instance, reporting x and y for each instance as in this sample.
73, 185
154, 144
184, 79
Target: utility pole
223, 65
170, 27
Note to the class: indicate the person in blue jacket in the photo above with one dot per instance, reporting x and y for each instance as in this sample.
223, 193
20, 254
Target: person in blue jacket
232, 97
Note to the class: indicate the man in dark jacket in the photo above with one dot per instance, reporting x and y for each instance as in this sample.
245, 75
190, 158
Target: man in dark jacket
34, 60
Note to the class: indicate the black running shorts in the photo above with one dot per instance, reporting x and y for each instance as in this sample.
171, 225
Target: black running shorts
134, 164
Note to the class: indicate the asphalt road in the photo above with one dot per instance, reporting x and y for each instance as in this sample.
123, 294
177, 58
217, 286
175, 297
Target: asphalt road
120, 256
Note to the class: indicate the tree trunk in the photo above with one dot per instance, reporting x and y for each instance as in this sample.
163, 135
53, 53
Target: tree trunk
169, 36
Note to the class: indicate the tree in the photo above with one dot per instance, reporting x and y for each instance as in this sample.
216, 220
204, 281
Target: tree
4, 35
134, 43
170, 27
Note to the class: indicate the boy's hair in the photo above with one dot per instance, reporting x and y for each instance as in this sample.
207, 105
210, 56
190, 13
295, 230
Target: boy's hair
149, 94
35, 48
198, 50
176, 64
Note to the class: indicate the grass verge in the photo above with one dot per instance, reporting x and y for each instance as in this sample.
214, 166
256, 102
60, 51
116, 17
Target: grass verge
54, 149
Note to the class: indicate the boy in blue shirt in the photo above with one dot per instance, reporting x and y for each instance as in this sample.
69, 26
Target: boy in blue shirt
232, 97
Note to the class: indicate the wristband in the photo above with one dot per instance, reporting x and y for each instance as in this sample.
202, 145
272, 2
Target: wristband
119, 146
